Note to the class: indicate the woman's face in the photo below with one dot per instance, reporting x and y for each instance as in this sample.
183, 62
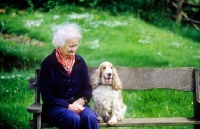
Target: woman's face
70, 47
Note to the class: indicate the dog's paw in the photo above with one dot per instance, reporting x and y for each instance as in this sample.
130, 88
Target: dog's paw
111, 122
100, 120
120, 118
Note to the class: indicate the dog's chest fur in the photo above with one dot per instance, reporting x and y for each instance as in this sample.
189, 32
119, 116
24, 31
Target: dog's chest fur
104, 96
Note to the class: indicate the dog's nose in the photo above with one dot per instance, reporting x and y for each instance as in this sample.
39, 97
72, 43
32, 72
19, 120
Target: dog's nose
109, 74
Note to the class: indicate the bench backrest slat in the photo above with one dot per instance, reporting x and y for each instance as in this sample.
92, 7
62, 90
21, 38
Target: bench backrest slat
148, 78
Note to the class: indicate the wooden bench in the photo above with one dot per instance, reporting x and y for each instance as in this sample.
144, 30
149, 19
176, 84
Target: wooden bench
185, 79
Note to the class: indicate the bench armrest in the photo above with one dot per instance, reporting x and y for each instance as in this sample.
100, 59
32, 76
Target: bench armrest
35, 108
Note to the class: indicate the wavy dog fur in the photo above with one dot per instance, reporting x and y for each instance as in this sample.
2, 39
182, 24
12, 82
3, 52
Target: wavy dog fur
108, 101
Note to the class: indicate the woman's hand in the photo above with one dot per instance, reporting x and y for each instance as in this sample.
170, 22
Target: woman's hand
77, 106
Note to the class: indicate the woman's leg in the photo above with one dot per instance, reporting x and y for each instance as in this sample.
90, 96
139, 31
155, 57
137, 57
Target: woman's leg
63, 118
89, 119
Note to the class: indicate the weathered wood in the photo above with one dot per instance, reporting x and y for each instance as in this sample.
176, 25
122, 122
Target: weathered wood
35, 108
196, 82
194, 22
189, 4
130, 122
185, 79
32, 83
148, 78
179, 11
196, 97
37, 118
186, 18
37, 90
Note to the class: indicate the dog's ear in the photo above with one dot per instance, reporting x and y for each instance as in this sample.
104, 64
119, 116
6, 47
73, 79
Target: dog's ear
95, 79
117, 84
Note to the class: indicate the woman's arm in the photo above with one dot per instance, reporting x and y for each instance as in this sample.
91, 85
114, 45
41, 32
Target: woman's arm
46, 89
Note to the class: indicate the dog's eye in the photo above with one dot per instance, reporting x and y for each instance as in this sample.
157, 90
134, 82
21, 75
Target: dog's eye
104, 67
111, 67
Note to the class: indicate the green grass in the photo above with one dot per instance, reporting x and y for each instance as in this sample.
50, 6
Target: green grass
15, 96
124, 40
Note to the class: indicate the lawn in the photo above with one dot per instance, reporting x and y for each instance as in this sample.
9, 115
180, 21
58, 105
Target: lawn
125, 40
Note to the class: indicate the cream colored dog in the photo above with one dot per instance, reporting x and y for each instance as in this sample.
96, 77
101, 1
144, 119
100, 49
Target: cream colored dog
108, 101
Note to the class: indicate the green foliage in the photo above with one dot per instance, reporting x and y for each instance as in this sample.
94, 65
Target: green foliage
47, 5
15, 96
151, 11
14, 3
125, 40
145, 44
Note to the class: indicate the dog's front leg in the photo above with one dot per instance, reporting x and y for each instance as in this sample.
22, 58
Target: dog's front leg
99, 114
113, 120
122, 111
114, 114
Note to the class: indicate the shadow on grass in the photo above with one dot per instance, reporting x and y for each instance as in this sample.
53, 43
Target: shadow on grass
8, 123
10, 62
9, 120
5, 124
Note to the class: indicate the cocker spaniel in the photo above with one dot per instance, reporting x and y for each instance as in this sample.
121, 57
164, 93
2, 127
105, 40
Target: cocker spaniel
108, 101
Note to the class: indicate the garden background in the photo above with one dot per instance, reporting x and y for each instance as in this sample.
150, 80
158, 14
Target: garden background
129, 33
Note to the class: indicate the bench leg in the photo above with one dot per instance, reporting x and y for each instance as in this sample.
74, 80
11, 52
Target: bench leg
37, 118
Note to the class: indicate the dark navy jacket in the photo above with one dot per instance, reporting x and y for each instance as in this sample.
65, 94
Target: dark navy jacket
58, 89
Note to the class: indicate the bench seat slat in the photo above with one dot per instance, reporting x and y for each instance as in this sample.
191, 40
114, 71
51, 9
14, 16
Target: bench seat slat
129, 122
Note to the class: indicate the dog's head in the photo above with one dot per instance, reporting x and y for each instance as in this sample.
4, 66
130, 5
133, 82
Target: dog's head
106, 74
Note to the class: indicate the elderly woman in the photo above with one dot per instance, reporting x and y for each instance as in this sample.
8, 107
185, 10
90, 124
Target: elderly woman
64, 82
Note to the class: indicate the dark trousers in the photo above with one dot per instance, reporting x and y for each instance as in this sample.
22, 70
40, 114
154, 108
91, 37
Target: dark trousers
67, 119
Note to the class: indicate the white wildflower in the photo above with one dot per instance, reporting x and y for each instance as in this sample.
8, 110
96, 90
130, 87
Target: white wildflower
95, 44
19, 75
113, 23
176, 44
13, 14
197, 57
3, 77
80, 16
144, 40
160, 53
56, 17
39, 15
31, 23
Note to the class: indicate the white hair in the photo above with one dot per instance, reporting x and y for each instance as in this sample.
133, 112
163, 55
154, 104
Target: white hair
65, 32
